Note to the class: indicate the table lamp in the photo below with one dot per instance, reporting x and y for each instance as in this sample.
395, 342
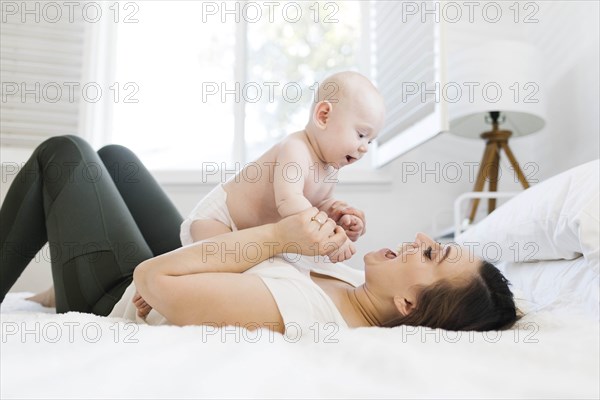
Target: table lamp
503, 100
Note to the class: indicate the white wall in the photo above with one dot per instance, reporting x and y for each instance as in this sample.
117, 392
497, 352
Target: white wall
568, 35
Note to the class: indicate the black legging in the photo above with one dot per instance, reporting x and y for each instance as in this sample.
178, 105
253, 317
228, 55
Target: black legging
102, 214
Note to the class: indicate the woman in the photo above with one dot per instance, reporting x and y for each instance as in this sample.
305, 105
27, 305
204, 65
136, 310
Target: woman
101, 229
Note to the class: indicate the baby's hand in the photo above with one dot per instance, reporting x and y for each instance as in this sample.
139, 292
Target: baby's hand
349, 218
353, 226
343, 253
143, 307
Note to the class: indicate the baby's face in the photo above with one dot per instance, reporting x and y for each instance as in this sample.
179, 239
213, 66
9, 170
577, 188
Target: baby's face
351, 127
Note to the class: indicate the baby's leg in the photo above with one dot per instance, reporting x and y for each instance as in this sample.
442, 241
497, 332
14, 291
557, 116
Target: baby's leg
206, 228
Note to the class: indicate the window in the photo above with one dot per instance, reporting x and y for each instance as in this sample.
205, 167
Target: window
183, 59
168, 73
165, 59
41, 68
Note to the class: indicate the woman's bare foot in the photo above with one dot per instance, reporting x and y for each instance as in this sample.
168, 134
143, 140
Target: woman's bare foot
45, 298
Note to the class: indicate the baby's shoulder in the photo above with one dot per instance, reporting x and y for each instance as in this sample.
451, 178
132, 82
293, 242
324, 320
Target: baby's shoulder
295, 139
294, 144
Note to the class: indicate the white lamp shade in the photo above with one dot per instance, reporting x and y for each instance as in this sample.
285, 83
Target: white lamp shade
504, 76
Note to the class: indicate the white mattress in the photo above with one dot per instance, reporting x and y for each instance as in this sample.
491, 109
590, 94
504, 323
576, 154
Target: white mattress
551, 353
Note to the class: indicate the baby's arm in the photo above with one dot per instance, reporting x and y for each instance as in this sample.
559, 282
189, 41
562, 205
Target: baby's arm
290, 173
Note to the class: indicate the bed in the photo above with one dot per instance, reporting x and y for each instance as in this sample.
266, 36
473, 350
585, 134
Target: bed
552, 352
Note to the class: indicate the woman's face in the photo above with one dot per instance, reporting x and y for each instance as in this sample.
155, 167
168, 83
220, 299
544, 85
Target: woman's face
423, 262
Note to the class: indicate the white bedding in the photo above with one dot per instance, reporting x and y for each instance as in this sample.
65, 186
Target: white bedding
551, 353
555, 285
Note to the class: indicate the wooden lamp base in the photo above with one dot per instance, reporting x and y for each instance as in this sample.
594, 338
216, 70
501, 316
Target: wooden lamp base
490, 165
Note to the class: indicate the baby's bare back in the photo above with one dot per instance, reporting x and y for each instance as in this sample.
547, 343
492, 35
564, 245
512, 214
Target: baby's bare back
251, 195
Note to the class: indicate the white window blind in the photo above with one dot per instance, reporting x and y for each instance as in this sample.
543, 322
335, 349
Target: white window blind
41, 69
408, 60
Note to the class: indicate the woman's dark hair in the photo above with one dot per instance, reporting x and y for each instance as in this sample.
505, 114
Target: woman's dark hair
482, 304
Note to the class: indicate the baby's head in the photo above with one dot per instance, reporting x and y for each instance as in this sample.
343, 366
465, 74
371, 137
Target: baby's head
346, 116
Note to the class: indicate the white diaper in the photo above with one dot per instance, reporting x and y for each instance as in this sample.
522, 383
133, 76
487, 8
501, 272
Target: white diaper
213, 207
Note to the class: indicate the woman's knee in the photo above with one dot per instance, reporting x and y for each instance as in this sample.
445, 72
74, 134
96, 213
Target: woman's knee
121, 162
116, 152
67, 159
67, 147
62, 139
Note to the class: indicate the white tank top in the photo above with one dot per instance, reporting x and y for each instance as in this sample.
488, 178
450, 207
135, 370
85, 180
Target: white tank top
301, 302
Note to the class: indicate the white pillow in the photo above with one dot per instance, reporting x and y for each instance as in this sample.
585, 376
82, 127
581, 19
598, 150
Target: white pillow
554, 285
555, 219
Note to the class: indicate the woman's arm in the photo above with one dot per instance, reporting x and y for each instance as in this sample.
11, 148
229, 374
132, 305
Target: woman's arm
201, 283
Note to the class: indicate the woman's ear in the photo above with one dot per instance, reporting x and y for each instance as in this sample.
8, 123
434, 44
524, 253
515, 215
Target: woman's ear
404, 305
321, 114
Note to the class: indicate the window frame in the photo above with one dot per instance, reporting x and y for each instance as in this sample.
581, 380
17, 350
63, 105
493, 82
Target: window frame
408, 138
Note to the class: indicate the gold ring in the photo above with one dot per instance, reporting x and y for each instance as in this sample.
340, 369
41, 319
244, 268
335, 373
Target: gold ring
315, 219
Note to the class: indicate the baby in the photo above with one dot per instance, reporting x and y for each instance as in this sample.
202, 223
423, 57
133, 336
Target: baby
300, 171
297, 173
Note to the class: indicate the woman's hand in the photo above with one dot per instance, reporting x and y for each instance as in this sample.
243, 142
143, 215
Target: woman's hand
311, 232
143, 307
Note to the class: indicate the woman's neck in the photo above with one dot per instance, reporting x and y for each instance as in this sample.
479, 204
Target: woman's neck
367, 308
354, 303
